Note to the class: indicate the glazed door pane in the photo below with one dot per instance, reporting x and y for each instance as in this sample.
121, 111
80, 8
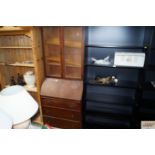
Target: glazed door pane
52, 49
73, 48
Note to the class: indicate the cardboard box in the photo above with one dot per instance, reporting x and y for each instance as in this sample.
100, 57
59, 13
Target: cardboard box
129, 59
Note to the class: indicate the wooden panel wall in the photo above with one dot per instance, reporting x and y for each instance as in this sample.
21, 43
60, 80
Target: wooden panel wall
20, 41
14, 49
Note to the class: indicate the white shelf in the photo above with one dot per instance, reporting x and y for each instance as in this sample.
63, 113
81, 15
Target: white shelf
21, 65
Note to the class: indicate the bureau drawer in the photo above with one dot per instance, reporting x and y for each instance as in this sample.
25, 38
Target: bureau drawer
61, 113
61, 103
61, 123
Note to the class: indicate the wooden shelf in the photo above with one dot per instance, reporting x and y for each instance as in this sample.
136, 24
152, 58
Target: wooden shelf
54, 76
17, 64
54, 59
54, 63
21, 65
73, 44
54, 42
15, 47
71, 77
71, 65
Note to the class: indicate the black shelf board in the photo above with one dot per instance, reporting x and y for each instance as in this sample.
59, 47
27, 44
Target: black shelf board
93, 65
107, 121
123, 110
106, 66
118, 47
97, 97
119, 84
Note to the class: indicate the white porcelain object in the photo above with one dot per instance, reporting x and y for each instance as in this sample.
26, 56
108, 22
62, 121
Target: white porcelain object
22, 125
5, 120
105, 61
18, 104
29, 78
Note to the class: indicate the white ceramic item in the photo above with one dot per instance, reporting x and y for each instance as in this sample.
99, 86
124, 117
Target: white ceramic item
18, 104
22, 125
5, 120
105, 61
29, 78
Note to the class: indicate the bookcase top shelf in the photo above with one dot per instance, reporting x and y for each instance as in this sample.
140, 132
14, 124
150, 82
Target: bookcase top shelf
118, 47
110, 66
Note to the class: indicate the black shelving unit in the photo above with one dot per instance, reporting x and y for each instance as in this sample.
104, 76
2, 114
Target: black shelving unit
115, 105
147, 103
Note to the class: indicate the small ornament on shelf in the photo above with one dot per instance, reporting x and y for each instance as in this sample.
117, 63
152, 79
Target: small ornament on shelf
29, 78
12, 81
105, 61
20, 80
104, 80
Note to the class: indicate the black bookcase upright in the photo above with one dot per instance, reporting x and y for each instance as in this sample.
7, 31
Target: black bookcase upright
118, 105
147, 103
